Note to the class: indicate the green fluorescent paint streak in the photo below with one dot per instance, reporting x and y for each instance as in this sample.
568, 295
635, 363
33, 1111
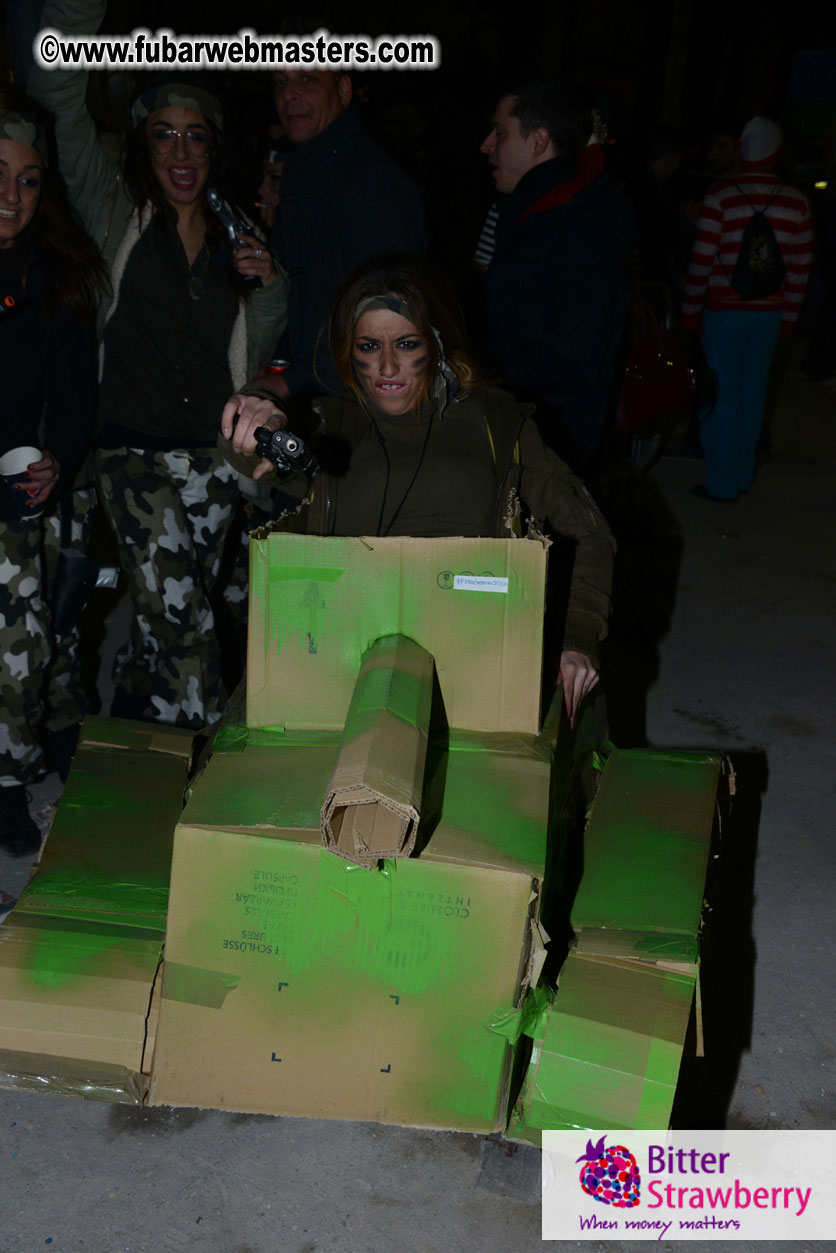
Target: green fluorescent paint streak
61, 958
364, 927
300, 574
266, 786
392, 586
646, 844
497, 802
470, 1089
109, 849
258, 572
351, 940
305, 625
611, 1048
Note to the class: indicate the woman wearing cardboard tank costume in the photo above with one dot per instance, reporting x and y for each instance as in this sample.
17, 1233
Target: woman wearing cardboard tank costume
50, 279
179, 333
417, 446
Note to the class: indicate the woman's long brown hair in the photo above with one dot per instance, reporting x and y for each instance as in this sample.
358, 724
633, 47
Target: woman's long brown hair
434, 307
74, 262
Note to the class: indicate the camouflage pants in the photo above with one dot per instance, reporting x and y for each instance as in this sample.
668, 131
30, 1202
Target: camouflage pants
170, 512
67, 702
25, 649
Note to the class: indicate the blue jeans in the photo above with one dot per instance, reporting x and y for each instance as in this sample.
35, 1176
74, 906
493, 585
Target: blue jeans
738, 346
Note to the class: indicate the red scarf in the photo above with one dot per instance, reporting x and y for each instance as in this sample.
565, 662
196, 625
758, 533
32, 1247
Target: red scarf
590, 165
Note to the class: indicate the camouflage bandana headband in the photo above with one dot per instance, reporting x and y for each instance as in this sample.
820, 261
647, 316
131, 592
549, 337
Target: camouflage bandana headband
446, 383
23, 129
178, 96
392, 304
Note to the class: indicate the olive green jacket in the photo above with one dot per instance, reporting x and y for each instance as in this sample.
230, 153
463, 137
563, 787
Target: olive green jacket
534, 490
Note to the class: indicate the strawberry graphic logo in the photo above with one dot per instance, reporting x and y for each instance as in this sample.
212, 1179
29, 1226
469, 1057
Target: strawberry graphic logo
610, 1174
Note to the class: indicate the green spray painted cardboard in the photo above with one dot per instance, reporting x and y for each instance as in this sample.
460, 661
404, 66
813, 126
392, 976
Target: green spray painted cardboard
607, 1051
320, 988
316, 604
82, 949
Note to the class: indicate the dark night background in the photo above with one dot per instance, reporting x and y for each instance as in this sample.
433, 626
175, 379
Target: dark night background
682, 64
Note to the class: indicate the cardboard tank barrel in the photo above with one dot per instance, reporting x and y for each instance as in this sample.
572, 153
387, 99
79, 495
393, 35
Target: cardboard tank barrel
348, 912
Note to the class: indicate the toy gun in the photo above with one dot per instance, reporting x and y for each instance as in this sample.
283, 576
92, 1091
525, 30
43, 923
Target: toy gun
235, 224
287, 451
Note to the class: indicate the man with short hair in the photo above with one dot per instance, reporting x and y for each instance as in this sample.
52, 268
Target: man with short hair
558, 285
343, 200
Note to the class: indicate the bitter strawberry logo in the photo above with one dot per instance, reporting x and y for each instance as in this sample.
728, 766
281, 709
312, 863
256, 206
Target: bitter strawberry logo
610, 1174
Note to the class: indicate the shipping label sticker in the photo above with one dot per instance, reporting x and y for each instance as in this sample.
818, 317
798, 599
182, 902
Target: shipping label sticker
480, 583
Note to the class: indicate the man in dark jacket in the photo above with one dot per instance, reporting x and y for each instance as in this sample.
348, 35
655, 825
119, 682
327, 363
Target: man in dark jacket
559, 284
343, 200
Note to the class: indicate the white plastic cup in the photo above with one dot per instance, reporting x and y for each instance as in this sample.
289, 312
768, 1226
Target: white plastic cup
14, 467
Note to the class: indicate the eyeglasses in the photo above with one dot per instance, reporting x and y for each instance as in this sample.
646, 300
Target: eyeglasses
196, 143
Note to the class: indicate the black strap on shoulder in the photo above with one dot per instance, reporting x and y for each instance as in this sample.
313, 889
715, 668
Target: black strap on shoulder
773, 197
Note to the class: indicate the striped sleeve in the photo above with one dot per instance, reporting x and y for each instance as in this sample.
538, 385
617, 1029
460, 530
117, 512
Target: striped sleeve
706, 243
725, 214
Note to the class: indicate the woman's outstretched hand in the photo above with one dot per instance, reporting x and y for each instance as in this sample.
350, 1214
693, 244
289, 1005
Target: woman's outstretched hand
577, 677
241, 417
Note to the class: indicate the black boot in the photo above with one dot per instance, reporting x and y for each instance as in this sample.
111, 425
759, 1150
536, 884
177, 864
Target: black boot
19, 835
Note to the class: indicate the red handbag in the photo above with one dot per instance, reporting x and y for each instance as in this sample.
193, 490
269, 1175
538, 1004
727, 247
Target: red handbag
657, 379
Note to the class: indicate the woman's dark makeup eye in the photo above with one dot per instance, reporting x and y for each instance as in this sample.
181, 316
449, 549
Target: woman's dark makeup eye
367, 345
409, 345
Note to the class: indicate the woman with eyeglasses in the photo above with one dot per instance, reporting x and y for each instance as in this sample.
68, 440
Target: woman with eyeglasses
187, 318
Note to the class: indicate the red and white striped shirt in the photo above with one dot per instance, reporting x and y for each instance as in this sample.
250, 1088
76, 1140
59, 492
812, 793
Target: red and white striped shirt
724, 215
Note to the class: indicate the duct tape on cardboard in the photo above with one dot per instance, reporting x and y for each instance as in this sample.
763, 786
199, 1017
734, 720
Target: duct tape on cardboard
610, 1049
196, 985
67, 1076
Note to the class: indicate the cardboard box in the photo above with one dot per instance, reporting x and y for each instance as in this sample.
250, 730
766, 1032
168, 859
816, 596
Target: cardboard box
373, 798
74, 1007
316, 603
81, 953
646, 851
607, 1052
297, 983
108, 854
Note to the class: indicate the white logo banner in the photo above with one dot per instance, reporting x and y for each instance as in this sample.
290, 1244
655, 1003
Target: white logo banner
689, 1185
